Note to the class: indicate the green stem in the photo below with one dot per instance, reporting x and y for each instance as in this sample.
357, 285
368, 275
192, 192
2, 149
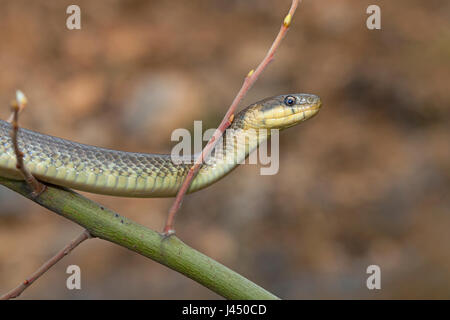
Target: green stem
171, 252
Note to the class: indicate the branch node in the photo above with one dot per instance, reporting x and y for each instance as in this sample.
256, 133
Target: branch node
167, 233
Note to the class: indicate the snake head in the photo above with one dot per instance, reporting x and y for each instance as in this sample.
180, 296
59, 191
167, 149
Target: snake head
280, 112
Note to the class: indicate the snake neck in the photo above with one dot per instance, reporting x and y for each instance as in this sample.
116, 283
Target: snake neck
232, 150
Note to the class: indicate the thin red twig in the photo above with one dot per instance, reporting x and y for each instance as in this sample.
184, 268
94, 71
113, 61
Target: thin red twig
228, 118
18, 106
14, 293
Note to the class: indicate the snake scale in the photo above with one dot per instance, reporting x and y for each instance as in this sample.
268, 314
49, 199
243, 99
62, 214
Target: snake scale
104, 171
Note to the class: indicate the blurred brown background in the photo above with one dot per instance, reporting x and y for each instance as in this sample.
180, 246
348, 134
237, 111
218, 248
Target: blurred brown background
365, 182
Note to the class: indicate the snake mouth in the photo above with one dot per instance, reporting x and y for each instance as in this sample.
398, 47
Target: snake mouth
290, 116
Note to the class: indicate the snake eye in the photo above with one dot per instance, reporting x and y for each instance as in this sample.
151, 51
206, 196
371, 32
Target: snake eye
289, 100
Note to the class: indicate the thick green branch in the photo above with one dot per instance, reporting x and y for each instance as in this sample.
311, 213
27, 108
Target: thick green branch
171, 252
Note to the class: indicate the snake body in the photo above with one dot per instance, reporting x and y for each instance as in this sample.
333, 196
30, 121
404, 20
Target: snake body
104, 171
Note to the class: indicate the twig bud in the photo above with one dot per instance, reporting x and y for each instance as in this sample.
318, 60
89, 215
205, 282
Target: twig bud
21, 99
287, 20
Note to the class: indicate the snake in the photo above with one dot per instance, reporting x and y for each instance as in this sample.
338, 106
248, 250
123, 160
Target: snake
99, 170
